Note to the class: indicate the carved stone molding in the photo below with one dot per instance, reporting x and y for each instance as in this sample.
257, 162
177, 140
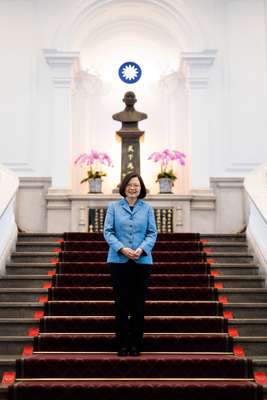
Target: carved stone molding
196, 66
61, 63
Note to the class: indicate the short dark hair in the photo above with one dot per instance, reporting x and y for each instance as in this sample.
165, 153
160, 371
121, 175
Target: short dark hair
125, 182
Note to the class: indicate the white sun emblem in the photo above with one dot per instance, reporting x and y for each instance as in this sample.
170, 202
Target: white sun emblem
130, 72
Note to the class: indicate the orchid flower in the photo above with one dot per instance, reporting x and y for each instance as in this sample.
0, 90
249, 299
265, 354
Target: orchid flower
94, 159
165, 157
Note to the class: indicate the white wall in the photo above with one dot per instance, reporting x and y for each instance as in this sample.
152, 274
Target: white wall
236, 94
241, 141
24, 116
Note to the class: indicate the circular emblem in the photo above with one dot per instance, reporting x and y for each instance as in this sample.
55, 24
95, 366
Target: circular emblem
130, 72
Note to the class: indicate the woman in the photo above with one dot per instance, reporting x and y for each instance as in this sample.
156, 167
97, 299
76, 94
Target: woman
131, 233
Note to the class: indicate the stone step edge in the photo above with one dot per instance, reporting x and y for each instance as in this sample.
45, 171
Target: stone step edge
220, 291
230, 244
244, 277
46, 264
35, 303
234, 321
4, 392
43, 234
11, 358
24, 338
51, 253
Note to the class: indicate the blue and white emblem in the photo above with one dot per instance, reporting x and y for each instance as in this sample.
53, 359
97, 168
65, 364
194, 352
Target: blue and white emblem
130, 72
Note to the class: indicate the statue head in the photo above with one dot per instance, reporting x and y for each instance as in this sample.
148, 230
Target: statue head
129, 99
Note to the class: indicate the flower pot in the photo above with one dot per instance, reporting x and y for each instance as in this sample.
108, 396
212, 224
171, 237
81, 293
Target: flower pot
165, 185
95, 185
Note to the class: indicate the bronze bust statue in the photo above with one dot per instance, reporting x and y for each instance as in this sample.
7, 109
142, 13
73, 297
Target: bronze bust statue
129, 117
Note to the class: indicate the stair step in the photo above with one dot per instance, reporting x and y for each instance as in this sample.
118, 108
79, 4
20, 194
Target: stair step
255, 348
235, 269
223, 257
260, 363
243, 281
249, 326
27, 281
4, 390
247, 310
48, 256
29, 268
245, 327
43, 268
39, 247
39, 237
22, 294
57, 236
45, 257
27, 309
256, 295
7, 363
17, 326
50, 246
13, 345
19, 309
24, 281
242, 295
229, 237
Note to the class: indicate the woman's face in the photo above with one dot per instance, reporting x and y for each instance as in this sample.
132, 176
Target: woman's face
133, 188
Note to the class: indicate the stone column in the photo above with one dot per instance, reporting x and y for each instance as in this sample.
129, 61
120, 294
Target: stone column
196, 68
61, 66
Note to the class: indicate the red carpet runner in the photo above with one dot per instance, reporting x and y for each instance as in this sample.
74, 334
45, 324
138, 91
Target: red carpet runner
188, 353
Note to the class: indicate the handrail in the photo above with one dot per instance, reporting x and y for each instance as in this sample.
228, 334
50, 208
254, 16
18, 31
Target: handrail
255, 185
257, 208
256, 188
9, 184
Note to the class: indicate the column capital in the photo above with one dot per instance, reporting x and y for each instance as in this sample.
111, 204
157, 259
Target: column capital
88, 84
61, 63
196, 66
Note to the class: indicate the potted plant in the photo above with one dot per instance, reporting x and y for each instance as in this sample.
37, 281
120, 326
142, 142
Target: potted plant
94, 161
166, 176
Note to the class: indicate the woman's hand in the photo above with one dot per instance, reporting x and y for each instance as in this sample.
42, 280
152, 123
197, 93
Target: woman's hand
138, 252
130, 253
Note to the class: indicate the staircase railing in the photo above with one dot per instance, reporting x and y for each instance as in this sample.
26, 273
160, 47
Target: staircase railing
8, 229
256, 189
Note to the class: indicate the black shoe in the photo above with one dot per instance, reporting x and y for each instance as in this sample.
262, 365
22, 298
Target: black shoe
134, 351
122, 352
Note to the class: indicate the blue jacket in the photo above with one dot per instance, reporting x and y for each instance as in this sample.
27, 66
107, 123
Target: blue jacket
126, 228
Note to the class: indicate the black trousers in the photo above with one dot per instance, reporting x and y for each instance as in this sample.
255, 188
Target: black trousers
130, 282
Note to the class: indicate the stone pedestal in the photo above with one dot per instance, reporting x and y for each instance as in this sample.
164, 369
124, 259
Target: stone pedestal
130, 151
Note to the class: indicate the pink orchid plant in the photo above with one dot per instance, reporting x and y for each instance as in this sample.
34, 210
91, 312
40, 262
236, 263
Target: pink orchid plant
166, 159
94, 161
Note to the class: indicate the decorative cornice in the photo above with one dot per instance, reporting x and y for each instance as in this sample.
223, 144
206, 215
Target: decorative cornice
19, 167
242, 167
61, 63
34, 182
230, 182
195, 67
59, 59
